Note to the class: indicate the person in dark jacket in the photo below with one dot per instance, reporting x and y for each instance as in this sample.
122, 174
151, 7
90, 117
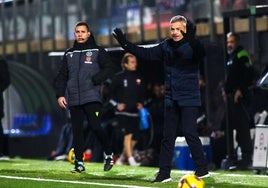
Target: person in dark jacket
127, 96
4, 83
83, 68
237, 95
181, 55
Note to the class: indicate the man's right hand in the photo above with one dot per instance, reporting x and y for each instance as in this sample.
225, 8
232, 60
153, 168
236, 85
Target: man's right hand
62, 102
119, 36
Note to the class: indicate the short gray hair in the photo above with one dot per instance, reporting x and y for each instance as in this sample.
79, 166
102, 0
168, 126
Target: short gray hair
235, 35
178, 18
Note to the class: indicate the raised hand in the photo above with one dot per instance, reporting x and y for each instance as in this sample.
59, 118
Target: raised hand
119, 36
199, 50
190, 32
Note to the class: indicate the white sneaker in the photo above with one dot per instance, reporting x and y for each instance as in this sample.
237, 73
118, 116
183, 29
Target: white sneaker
133, 162
61, 158
4, 158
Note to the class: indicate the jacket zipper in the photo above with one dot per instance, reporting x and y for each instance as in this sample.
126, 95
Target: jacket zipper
78, 81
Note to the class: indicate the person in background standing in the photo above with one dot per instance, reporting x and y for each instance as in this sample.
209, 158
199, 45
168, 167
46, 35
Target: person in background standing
83, 68
4, 83
127, 95
237, 96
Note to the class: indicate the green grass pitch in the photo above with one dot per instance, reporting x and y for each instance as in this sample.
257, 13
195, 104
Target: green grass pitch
35, 173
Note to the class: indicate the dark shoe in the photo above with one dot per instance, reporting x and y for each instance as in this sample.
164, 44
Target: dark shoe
244, 164
161, 178
202, 174
51, 158
240, 165
231, 165
108, 162
79, 167
232, 168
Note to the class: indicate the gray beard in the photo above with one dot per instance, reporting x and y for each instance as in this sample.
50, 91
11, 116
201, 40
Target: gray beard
229, 51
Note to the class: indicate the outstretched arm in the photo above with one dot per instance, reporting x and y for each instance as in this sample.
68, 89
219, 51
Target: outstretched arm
151, 54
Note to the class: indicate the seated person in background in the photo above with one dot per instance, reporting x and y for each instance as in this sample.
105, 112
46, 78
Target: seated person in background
65, 144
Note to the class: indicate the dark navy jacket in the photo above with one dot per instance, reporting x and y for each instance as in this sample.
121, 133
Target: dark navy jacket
181, 69
83, 68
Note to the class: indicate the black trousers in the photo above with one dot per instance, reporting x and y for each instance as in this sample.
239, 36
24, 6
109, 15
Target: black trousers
92, 112
239, 119
187, 116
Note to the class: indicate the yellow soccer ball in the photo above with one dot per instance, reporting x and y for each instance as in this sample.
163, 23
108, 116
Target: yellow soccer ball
71, 156
191, 181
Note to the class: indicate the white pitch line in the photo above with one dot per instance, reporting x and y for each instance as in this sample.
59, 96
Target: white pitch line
72, 182
227, 174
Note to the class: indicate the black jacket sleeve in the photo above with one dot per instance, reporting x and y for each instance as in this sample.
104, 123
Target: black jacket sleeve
60, 82
154, 53
107, 68
4, 75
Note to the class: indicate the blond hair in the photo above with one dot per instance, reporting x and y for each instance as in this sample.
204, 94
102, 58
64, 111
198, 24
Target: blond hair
125, 59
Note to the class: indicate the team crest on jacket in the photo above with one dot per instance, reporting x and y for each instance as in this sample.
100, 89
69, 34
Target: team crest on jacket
138, 81
71, 55
88, 57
